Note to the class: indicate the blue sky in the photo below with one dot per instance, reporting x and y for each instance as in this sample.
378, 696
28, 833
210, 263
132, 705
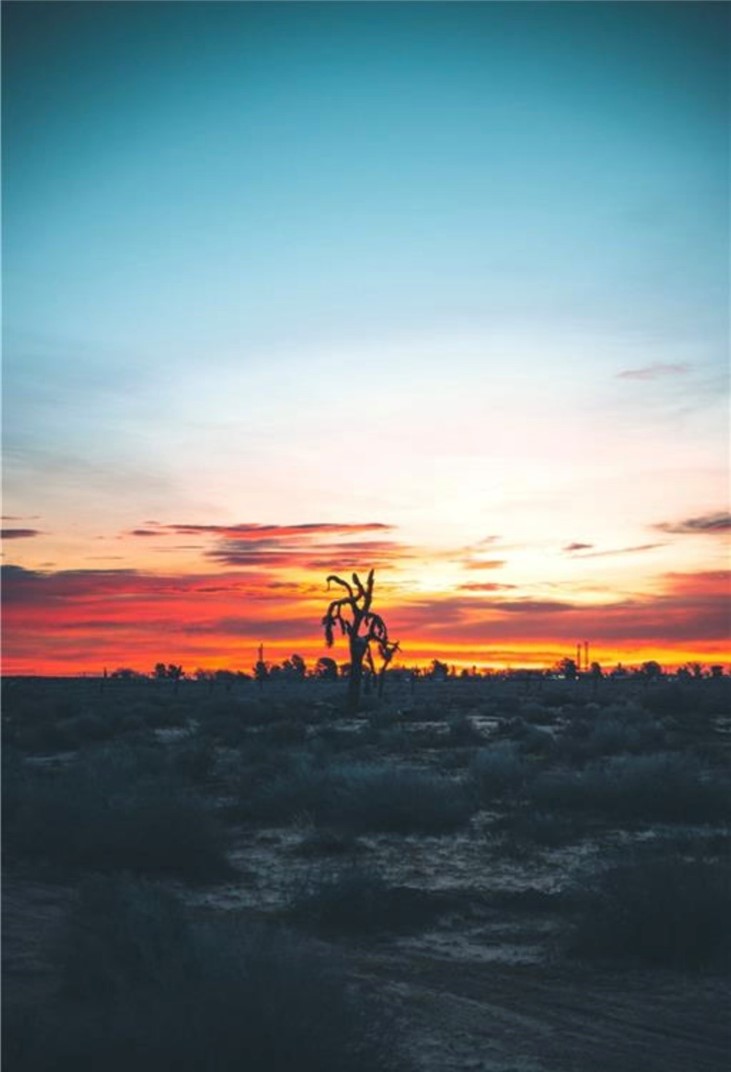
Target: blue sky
410, 251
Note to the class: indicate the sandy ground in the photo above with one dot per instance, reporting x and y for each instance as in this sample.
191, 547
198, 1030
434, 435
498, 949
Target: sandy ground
470, 999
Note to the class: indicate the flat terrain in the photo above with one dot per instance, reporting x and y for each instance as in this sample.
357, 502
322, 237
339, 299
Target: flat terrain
456, 847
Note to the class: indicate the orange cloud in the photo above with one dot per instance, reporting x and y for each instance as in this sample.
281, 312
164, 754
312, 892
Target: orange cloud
73, 620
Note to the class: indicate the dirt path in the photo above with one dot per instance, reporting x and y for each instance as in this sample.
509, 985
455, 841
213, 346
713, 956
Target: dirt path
554, 1019
463, 1016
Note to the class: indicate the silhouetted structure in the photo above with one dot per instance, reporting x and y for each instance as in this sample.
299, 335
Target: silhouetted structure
362, 627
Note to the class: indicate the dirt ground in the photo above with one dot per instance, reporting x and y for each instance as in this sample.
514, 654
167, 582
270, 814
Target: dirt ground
486, 987
461, 1014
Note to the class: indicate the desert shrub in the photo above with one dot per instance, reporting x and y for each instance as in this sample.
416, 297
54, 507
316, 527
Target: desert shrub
226, 727
669, 698
530, 900
120, 934
132, 724
194, 759
557, 695
546, 829
361, 796
535, 742
359, 900
666, 787
14, 777
171, 993
45, 737
537, 713
462, 731
286, 732
618, 728
382, 719
89, 727
669, 912
330, 739
610, 737
499, 772
403, 742
116, 812
323, 842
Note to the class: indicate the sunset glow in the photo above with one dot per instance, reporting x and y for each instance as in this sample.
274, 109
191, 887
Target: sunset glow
301, 289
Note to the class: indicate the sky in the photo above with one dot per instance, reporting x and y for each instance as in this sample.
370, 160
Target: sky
293, 289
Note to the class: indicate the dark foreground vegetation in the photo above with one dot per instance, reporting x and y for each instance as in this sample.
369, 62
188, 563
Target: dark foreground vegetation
249, 865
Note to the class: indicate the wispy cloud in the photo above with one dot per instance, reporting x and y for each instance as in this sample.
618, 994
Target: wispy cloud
487, 586
621, 550
255, 531
654, 372
689, 608
310, 545
570, 548
534, 606
18, 534
706, 524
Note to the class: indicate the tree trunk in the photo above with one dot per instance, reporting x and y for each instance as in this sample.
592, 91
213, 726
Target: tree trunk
354, 683
357, 654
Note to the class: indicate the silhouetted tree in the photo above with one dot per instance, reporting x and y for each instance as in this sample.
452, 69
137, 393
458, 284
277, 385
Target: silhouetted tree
295, 667
362, 627
568, 668
438, 671
326, 668
261, 670
171, 672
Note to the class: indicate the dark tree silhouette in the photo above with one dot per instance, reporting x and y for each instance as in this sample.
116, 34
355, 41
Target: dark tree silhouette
295, 667
568, 668
261, 670
353, 614
326, 668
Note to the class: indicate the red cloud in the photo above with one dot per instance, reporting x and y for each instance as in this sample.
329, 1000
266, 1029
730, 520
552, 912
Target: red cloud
81, 619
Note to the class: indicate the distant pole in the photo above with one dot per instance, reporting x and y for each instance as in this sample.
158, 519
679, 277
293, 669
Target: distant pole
578, 657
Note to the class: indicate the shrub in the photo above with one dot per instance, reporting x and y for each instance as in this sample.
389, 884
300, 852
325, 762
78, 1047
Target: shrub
545, 829
499, 772
667, 787
664, 912
117, 812
536, 742
537, 713
357, 900
361, 797
174, 994
195, 759
463, 731
286, 732
122, 934
325, 842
